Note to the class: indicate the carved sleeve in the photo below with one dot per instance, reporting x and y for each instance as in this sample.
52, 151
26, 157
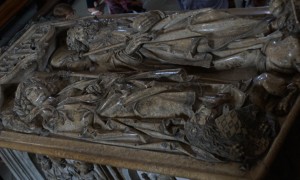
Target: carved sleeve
120, 60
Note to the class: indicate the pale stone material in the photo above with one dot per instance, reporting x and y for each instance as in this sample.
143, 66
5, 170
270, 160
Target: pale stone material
155, 81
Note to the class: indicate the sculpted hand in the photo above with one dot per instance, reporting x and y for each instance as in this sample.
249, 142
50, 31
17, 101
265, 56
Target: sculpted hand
94, 89
136, 42
147, 20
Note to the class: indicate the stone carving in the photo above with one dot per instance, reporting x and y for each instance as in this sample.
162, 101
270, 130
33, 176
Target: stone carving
204, 38
165, 110
28, 54
20, 164
156, 40
55, 168
122, 82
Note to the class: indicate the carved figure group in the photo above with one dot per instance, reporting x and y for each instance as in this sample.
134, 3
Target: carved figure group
123, 82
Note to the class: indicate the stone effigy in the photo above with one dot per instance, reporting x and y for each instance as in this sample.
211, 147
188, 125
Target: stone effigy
138, 82
164, 110
204, 38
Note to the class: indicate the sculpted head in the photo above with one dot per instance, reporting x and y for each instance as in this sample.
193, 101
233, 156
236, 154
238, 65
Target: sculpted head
37, 94
77, 39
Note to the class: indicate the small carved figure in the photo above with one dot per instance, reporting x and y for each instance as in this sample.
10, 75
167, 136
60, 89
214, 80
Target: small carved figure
59, 168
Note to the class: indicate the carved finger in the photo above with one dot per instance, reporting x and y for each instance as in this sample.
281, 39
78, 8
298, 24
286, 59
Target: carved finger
148, 21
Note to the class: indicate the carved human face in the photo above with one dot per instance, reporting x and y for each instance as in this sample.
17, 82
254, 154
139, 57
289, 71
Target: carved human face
81, 167
79, 33
36, 95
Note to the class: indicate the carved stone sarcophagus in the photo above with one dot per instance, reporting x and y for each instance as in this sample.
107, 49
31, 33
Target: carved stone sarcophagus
205, 93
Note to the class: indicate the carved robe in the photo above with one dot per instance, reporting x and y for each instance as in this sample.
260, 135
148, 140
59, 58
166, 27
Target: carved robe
164, 110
